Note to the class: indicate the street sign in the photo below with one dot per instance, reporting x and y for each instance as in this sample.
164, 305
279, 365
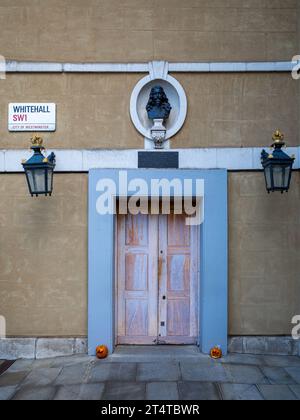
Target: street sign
31, 117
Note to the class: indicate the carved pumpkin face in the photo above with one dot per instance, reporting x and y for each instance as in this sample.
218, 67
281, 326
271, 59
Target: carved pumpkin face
101, 352
216, 353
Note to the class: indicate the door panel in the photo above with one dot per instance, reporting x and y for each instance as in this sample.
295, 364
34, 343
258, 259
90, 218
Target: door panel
157, 280
137, 279
178, 291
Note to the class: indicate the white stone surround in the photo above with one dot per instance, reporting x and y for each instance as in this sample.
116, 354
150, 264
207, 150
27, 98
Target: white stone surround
83, 160
200, 67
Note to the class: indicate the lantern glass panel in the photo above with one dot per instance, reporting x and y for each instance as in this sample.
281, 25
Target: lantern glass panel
36, 179
278, 176
50, 180
281, 176
268, 177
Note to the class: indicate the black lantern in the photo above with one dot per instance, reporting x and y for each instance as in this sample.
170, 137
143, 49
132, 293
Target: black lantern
39, 170
277, 166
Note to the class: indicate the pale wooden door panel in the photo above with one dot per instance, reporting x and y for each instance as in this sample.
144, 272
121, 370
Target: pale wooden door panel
178, 291
137, 279
157, 280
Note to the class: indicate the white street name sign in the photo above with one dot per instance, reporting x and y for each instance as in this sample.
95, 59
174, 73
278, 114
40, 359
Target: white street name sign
31, 117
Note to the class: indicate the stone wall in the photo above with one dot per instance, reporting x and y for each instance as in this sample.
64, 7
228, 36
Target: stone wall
225, 110
264, 241
144, 30
43, 257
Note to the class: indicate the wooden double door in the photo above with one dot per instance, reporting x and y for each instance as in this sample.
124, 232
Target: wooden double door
157, 280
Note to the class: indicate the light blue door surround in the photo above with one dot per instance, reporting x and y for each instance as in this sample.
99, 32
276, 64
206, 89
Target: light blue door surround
213, 252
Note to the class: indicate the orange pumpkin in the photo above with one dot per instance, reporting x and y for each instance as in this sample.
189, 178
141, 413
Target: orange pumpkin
102, 352
216, 353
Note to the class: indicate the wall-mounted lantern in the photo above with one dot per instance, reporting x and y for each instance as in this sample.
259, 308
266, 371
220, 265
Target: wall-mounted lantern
39, 170
277, 166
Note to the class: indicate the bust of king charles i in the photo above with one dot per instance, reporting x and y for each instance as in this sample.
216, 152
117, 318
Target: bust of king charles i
158, 107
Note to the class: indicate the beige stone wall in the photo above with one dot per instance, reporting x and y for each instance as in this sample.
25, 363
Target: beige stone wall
142, 30
264, 256
43, 257
225, 110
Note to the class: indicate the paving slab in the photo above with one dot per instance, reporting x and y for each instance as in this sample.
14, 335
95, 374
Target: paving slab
41, 377
12, 378
277, 393
102, 372
125, 391
200, 373
243, 359
73, 375
198, 391
44, 363
294, 372
85, 392
7, 392
154, 372
280, 361
162, 391
241, 374
296, 390
21, 365
277, 376
35, 394
71, 360
240, 392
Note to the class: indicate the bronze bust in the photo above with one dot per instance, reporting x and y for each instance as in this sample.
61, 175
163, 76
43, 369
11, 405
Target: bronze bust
158, 106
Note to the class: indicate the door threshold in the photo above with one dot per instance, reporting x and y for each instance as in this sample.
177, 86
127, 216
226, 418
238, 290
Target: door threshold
138, 353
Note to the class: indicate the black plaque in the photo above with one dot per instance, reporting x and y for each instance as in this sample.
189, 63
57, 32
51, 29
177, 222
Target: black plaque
158, 160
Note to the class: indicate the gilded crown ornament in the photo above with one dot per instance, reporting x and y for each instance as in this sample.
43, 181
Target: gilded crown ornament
278, 136
37, 141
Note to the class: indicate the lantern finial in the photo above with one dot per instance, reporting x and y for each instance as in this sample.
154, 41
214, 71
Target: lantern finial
278, 136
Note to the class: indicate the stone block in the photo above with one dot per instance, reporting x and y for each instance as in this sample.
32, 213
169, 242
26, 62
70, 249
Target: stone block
54, 347
236, 345
281, 346
80, 346
21, 348
255, 345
